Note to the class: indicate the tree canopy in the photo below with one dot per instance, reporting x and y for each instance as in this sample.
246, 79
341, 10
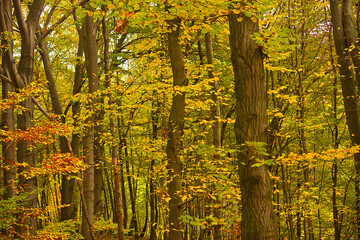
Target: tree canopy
173, 120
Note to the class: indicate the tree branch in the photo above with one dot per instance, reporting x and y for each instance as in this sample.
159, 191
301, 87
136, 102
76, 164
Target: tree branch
52, 10
20, 17
58, 22
41, 108
6, 79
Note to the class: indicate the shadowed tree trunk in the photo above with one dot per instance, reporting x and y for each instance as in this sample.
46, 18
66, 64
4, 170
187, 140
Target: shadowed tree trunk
339, 21
21, 75
8, 118
258, 218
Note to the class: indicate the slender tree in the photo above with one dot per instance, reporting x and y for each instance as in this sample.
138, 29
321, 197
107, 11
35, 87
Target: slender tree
91, 58
175, 129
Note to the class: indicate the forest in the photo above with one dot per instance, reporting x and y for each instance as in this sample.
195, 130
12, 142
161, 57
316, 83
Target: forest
180, 119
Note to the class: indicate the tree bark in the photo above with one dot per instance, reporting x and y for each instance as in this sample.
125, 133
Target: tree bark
258, 218
175, 130
349, 91
8, 117
91, 58
22, 75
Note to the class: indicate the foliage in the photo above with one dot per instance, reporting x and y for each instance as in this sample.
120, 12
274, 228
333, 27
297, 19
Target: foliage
61, 230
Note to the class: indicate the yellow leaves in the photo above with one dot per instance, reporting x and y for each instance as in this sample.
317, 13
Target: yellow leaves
90, 13
312, 157
277, 94
279, 115
276, 191
276, 113
277, 68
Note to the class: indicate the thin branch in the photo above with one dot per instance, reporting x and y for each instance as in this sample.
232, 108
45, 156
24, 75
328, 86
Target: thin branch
58, 22
52, 10
41, 108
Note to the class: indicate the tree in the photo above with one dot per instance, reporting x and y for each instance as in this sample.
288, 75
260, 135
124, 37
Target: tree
175, 129
91, 58
258, 218
341, 30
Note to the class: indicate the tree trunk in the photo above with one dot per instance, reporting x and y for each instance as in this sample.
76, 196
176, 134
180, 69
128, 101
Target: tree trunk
8, 117
348, 90
175, 130
114, 150
98, 161
258, 218
91, 58
153, 195
67, 185
21, 77
216, 117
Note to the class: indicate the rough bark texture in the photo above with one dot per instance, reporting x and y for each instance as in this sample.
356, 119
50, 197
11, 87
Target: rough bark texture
23, 76
175, 130
8, 119
90, 50
348, 89
258, 218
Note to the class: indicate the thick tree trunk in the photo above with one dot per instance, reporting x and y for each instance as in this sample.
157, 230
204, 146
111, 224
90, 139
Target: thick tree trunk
258, 218
175, 130
348, 90
23, 76
91, 58
8, 117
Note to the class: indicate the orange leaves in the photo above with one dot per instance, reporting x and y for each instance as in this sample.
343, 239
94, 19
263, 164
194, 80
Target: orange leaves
122, 24
60, 163
63, 163
43, 133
